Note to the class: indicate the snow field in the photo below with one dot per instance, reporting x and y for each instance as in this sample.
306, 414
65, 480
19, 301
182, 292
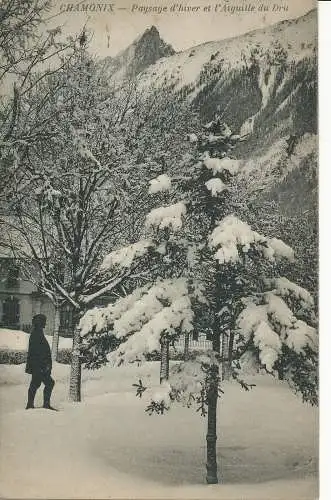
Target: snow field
16, 340
107, 446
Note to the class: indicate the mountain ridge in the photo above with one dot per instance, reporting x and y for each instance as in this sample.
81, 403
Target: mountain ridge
263, 81
144, 51
119, 59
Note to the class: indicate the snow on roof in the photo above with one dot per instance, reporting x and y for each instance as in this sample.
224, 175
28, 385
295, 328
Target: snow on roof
170, 216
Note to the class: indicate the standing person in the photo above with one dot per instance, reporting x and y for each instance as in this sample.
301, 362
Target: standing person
39, 363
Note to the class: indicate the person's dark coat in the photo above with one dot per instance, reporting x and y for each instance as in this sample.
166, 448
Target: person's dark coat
39, 360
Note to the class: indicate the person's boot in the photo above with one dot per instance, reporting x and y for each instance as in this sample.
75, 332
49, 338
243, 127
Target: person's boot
31, 396
47, 397
49, 407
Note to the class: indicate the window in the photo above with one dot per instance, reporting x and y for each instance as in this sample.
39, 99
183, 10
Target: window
66, 319
11, 312
12, 276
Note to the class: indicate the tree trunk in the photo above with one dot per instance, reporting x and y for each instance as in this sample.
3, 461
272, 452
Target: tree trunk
211, 437
76, 369
186, 346
225, 354
230, 355
164, 365
280, 373
55, 341
212, 398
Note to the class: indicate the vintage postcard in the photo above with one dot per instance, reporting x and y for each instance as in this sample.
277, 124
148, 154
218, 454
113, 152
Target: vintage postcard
159, 249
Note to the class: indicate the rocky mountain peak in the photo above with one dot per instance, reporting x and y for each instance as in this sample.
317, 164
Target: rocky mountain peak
142, 53
150, 47
152, 31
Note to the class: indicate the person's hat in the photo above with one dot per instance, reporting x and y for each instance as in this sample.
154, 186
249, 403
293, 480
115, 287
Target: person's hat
39, 320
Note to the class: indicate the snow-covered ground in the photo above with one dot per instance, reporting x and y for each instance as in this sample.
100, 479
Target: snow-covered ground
16, 340
107, 446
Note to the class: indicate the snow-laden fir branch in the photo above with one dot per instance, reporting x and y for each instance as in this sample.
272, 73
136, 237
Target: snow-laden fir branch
231, 236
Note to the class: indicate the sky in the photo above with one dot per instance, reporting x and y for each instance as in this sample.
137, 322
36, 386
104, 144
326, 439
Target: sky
114, 30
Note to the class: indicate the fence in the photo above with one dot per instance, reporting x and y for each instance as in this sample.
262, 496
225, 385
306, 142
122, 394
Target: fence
202, 344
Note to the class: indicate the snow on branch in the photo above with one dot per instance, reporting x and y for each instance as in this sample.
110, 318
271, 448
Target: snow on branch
232, 235
187, 382
297, 297
178, 315
170, 216
301, 335
280, 249
278, 311
101, 318
285, 287
140, 319
269, 344
192, 138
46, 190
216, 186
160, 183
169, 292
272, 324
228, 235
109, 286
250, 318
123, 257
218, 165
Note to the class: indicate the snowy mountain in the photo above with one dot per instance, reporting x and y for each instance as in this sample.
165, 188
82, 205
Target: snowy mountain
143, 52
265, 78
263, 82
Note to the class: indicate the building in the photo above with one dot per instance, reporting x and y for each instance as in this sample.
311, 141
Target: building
20, 300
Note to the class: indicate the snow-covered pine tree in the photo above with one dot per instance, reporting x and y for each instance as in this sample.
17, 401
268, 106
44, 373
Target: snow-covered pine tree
245, 261
229, 285
159, 310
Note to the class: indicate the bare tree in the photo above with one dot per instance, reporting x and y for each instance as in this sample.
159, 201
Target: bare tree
29, 54
75, 195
